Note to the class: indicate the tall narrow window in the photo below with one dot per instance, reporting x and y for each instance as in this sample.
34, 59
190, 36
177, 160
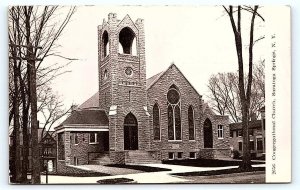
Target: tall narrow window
259, 144
156, 122
93, 138
220, 131
252, 145
105, 43
129, 96
240, 146
174, 114
76, 138
61, 146
191, 123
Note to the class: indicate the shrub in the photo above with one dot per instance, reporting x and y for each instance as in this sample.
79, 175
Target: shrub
236, 154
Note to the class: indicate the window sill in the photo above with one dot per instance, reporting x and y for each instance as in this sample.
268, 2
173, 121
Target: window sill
93, 142
174, 141
192, 140
220, 138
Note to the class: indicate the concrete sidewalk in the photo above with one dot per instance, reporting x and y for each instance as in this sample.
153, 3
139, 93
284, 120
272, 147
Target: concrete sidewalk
146, 177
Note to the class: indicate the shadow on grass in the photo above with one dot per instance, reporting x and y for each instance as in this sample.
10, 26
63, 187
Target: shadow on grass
139, 167
85, 174
206, 162
116, 181
77, 172
218, 172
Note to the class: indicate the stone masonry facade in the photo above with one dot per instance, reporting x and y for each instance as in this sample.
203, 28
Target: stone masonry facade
127, 98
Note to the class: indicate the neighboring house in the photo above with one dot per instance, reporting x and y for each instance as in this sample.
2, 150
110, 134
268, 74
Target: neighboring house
136, 120
48, 147
256, 136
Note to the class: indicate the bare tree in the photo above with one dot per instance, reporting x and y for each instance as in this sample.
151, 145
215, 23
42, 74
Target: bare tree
51, 108
33, 34
224, 93
244, 93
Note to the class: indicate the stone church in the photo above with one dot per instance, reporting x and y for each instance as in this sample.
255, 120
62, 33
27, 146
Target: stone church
133, 119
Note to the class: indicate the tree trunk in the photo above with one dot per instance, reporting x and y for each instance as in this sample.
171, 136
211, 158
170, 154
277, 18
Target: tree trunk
246, 162
35, 178
17, 176
25, 109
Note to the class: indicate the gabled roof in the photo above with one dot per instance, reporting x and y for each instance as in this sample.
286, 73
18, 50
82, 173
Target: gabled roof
87, 117
92, 102
156, 77
252, 124
206, 108
127, 19
153, 79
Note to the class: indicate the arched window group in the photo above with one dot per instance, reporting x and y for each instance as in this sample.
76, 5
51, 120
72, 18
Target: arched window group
174, 114
174, 117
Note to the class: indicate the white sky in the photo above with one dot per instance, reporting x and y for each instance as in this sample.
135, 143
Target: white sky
198, 39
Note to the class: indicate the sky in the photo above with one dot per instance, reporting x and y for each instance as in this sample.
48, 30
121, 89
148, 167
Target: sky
198, 39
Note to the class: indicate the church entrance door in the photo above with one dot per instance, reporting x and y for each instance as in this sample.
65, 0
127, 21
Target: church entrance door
130, 132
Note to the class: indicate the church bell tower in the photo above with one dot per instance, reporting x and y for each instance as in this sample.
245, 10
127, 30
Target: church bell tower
122, 82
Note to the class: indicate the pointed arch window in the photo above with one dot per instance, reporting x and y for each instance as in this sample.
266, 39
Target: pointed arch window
105, 43
191, 123
156, 122
174, 114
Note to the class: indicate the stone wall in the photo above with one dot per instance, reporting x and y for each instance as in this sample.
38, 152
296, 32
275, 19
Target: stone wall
83, 148
218, 143
157, 93
117, 157
127, 92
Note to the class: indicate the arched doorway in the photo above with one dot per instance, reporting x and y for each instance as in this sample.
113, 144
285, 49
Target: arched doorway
208, 134
130, 132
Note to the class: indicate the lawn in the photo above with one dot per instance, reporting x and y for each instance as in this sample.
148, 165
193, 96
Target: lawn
206, 162
139, 167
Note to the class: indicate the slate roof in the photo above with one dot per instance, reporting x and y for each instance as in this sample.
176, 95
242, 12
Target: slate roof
252, 124
87, 117
92, 102
152, 79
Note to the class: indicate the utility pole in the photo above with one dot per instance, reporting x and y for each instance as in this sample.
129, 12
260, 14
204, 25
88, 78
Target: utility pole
31, 59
